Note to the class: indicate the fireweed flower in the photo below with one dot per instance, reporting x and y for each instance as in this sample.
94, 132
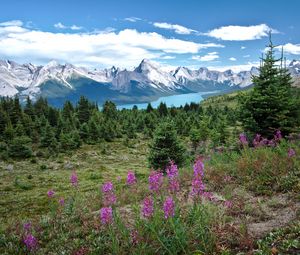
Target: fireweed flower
107, 187
291, 153
169, 207
27, 226
243, 139
106, 215
256, 140
172, 170
109, 197
50, 193
61, 201
74, 179
197, 186
134, 237
131, 179
228, 204
278, 136
30, 241
155, 181
199, 168
174, 185
148, 207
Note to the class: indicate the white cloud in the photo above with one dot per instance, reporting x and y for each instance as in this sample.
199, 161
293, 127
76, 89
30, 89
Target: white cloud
246, 56
59, 25
241, 33
12, 23
74, 27
235, 68
178, 29
232, 59
132, 19
290, 48
168, 57
243, 47
125, 48
209, 57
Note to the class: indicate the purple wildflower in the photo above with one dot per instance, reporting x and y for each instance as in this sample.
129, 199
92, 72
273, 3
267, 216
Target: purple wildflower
227, 178
134, 237
199, 168
169, 207
74, 179
106, 215
61, 201
148, 207
197, 186
174, 185
228, 204
107, 187
131, 179
27, 226
30, 241
172, 170
208, 195
109, 197
118, 178
278, 136
291, 153
50, 193
256, 140
243, 139
155, 181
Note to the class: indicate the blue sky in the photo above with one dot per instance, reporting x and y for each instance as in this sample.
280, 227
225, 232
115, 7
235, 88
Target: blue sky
216, 34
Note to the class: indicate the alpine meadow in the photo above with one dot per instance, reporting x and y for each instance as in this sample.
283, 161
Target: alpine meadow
150, 127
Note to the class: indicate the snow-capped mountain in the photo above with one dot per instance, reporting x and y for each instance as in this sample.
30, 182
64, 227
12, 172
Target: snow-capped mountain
148, 80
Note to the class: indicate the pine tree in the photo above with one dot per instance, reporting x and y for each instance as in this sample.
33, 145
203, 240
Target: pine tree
271, 105
20, 147
149, 108
165, 146
83, 110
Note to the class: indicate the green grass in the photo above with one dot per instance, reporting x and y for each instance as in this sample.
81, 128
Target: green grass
24, 189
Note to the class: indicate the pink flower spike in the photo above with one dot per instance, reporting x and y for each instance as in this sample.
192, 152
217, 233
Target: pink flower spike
169, 208
50, 193
291, 153
74, 179
131, 179
147, 208
30, 241
106, 215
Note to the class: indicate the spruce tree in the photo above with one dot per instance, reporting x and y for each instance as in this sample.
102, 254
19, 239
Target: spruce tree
270, 106
165, 146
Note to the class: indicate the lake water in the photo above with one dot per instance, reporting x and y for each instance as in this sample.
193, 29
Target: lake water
175, 100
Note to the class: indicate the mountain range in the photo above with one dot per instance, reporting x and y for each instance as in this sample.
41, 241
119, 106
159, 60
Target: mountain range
60, 82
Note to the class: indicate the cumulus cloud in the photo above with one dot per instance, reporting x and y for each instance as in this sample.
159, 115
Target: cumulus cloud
125, 48
208, 57
178, 29
132, 19
235, 68
243, 47
59, 25
232, 59
241, 33
17, 23
290, 48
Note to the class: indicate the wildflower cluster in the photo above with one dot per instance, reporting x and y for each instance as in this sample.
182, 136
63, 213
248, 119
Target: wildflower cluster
169, 207
74, 179
131, 179
148, 207
109, 197
172, 173
197, 182
155, 181
106, 215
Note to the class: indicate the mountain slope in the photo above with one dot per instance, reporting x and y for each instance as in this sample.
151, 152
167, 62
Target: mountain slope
146, 82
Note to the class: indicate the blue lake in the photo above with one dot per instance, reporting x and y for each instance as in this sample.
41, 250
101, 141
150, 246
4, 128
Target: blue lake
175, 100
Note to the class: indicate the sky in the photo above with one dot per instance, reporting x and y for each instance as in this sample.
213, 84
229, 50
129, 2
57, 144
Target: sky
192, 33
